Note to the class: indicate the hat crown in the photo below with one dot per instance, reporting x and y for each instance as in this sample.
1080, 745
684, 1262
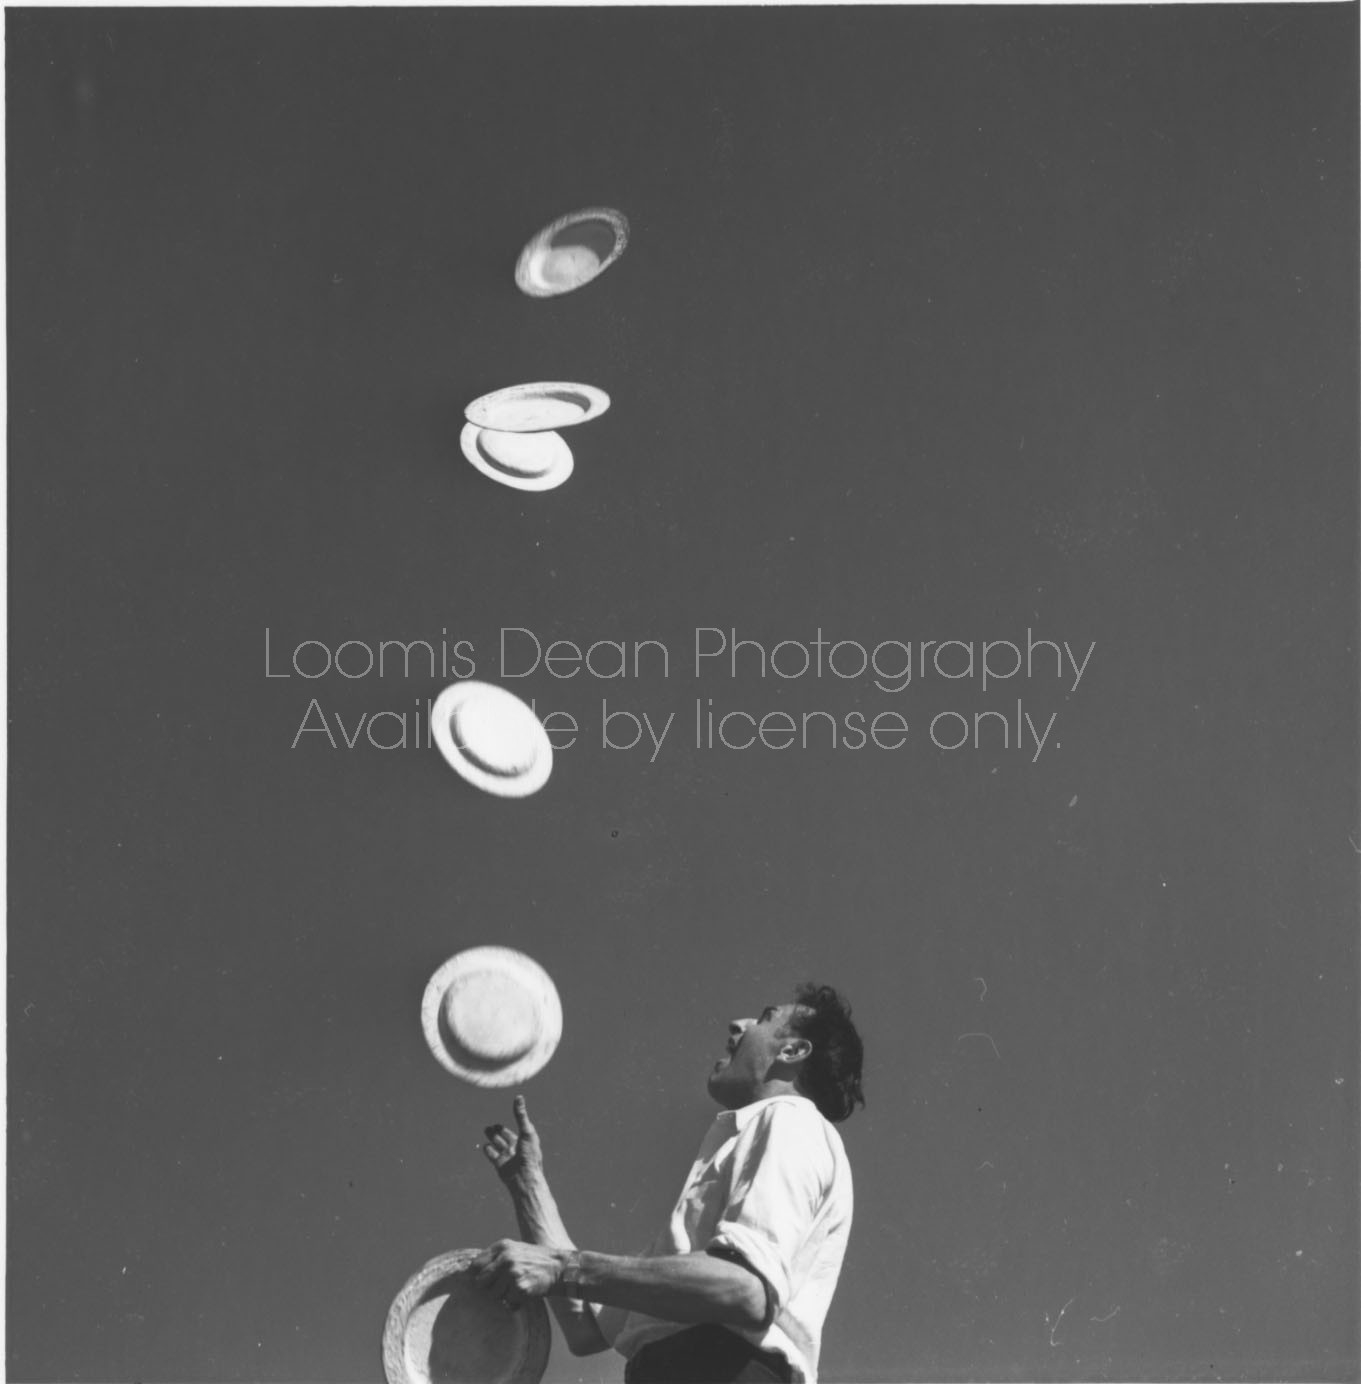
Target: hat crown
492, 1015
568, 266
522, 454
498, 733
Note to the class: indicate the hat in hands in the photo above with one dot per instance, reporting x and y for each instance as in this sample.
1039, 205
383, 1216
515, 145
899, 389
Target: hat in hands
443, 1329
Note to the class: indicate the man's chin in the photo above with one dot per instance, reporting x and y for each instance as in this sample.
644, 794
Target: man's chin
724, 1090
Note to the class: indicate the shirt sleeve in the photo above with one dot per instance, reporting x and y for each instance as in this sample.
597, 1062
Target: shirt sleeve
782, 1167
611, 1321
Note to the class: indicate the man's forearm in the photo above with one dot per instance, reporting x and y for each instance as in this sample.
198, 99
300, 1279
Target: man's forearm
537, 1213
688, 1288
541, 1223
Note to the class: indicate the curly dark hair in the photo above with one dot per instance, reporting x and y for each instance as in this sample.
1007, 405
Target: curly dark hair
831, 1072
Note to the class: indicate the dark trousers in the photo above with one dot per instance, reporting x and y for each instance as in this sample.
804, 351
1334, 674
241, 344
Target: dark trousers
706, 1355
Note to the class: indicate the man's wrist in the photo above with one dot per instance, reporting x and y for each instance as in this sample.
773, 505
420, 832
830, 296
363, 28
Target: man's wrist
568, 1283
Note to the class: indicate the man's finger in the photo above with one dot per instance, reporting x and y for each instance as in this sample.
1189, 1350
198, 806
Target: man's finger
491, 1131
522, 1116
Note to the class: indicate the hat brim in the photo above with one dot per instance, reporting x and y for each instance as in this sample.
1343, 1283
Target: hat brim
529, 280
471, 1068
442, 1327
502, 785
470, 440
544, 406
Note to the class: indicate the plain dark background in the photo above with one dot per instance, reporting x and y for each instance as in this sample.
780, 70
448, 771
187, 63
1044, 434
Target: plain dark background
936, 323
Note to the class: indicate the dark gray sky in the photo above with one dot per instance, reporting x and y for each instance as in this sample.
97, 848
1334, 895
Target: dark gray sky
937, 324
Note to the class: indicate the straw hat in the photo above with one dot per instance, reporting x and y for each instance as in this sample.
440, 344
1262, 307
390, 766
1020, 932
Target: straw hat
572, 251
442, 1328
521, 460
492, 738
492, 1016
538, 407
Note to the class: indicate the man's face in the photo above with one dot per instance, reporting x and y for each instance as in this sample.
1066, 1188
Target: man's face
753, 1046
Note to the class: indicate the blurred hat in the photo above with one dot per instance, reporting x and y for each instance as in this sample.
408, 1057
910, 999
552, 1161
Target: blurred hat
442, 1328
492, 738
537, 407
571, 251
492, 1016
521, 460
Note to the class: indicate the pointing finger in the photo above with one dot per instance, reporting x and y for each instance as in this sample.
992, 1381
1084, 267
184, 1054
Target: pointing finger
522, 1116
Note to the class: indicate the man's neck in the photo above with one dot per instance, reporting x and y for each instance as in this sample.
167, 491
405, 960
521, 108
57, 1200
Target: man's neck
767, 1089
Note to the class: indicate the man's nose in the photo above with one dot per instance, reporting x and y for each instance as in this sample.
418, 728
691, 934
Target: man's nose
737, 1027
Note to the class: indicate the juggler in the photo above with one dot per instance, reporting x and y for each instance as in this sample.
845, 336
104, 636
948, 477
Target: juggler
737, 1286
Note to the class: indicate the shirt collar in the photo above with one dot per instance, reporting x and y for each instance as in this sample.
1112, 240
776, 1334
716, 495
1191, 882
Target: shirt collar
739, 1119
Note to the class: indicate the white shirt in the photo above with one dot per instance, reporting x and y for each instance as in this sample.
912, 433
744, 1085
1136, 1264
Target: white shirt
771, 1182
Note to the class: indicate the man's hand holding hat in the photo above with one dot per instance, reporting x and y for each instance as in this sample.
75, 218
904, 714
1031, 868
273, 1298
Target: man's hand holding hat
514, 1272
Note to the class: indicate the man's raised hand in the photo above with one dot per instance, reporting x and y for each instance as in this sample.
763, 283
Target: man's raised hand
515, 1156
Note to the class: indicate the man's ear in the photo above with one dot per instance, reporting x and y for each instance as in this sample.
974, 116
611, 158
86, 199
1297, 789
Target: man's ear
794, 1049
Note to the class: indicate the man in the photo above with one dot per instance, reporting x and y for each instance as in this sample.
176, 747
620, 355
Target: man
737, 1287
